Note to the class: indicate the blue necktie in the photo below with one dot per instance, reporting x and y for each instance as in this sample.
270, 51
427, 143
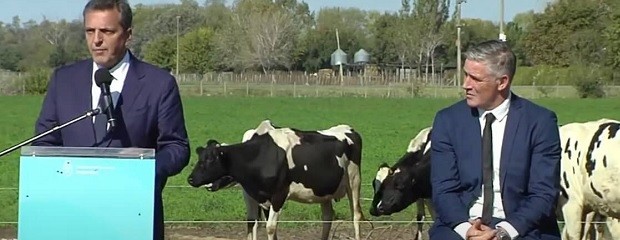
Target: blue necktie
487, 169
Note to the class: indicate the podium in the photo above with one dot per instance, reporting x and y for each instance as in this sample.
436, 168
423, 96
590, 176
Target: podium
74, 193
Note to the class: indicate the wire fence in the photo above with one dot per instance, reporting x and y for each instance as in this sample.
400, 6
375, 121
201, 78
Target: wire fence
325, 85
239, 188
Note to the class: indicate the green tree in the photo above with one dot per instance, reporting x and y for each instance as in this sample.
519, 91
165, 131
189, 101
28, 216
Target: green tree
354, 31
567, 32
612, 35
153, 21
196, 51
161, 52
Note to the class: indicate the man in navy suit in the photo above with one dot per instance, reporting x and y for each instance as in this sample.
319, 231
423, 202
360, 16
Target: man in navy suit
146, 100
522, 147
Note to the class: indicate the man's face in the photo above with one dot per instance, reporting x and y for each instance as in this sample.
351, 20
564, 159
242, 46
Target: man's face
482, 87
105, 37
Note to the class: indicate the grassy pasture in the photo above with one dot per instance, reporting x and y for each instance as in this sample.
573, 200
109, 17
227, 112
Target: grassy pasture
386, 125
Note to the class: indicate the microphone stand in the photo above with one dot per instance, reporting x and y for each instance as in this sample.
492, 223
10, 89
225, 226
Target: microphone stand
88, 113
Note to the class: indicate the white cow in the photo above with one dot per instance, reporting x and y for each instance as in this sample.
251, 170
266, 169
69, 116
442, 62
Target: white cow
589, 176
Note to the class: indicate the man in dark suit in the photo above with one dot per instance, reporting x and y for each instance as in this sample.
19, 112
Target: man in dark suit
495, 157
146, 100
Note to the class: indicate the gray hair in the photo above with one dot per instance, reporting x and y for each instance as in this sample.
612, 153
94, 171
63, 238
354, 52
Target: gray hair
496, 54
120, 5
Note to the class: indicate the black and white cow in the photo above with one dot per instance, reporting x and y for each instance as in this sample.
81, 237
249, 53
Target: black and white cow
408, 181
589, 176
285, 163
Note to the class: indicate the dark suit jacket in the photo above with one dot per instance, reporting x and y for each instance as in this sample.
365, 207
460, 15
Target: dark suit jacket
529, 167
149, 113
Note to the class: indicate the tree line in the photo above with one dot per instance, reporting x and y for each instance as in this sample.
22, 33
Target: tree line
284, 35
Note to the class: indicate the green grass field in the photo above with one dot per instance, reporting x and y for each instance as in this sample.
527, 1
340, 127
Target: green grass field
386, 125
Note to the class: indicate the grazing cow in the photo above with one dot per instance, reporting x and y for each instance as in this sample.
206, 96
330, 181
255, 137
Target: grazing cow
408, 181
284, 163
589, 176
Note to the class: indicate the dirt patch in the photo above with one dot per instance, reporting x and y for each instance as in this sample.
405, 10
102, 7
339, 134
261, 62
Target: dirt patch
340, 231
228, 231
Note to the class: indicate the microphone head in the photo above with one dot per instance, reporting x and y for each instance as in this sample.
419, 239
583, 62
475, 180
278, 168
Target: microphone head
103, 76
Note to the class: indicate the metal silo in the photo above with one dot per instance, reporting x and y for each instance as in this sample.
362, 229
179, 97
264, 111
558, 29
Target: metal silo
361, 57
339, 57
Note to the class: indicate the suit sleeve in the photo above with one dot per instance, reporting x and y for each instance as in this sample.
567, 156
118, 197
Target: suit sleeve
445, 177
48, 117
544, 182
172, 153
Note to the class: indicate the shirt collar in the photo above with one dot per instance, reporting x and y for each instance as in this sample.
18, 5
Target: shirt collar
118, 69
500, 112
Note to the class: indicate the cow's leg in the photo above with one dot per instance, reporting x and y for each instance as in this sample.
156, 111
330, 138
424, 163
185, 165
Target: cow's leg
429, 206
573, 214
588, 229
353, 193
252, 215
327, 215
431, 210
272, 224
599, 224
613, 228
419, 218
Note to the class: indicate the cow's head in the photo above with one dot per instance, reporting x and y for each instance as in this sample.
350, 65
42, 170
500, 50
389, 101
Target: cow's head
210, 170
397, 187
393, 191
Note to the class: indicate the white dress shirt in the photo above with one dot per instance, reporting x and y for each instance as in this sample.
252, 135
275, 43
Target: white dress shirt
475, 211
119, 72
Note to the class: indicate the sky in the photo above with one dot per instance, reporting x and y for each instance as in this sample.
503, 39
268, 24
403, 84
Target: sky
55, 10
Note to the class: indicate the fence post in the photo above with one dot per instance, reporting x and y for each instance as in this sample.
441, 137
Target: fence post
247, 89
389, 89
23, 84
271, 88
294, 89
225, 94
317, 86
201, 89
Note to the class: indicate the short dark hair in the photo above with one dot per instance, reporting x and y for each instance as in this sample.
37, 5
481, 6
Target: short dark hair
121, 5
496, 54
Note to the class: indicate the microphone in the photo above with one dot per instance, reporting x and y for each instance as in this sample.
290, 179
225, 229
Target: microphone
103, 79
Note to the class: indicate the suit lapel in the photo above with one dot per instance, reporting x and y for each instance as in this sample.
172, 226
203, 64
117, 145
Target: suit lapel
474, 144
131, 89
510, 133
83, 84
132, 85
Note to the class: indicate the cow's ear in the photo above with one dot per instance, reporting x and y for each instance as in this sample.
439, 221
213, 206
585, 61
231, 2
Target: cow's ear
384, 165
199, 150
212, 142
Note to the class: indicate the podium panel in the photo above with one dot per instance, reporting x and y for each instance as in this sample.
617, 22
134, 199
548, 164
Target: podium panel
86, 193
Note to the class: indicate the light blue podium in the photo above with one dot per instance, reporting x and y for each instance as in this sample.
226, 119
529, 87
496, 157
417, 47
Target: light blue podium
86, 193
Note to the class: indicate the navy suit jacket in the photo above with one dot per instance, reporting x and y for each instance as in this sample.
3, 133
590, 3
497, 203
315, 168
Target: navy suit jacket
529, 167
149, 113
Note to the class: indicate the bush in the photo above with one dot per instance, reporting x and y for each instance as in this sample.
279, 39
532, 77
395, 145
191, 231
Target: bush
415, 89
589, 88
37, 80
589, 80
544, 90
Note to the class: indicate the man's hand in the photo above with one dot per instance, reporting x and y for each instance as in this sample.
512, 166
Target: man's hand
479, 231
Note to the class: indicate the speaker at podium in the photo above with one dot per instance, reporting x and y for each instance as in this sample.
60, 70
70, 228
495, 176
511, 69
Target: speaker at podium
71, 193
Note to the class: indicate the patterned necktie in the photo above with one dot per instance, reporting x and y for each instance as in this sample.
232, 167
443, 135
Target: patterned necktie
487, 169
